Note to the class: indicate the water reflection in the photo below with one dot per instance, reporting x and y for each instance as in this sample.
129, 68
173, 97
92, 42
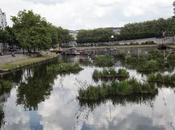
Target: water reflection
35, 88
47, 101
123, 100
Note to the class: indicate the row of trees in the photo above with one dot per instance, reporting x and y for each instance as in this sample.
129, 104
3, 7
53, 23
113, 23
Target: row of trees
155, 28
32, 32
96, 35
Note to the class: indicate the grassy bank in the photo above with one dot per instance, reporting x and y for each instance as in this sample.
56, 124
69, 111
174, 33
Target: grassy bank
24, 62
123, 88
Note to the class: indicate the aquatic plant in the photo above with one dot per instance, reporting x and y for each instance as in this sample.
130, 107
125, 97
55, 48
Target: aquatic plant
105, 74
110, 74
64, 68
154, 61
104, 61
123, 73
159, 79
123, 88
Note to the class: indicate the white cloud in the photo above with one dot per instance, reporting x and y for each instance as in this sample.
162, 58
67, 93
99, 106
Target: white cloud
91, 13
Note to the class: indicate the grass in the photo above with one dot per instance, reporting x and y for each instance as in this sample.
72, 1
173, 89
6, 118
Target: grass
123, 88
104, 61
24, 62
64, 68
159, 79
110, 74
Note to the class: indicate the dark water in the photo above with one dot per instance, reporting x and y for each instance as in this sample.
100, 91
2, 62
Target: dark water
42, 101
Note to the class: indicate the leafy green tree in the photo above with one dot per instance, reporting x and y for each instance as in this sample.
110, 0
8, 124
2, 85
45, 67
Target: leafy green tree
3, 36
32, 31
63, 35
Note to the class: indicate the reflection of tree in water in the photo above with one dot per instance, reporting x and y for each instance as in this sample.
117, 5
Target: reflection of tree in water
5, 88
37, 88
136, 99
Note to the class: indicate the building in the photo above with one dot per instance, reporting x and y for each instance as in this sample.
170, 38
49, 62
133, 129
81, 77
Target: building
3, 22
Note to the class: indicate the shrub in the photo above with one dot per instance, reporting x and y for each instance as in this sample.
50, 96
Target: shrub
104, 61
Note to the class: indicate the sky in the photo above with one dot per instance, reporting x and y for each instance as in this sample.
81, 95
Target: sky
88, 14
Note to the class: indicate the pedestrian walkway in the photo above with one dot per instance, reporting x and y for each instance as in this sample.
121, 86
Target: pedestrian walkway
9, 58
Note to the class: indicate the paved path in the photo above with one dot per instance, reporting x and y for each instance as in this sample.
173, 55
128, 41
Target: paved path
8, 58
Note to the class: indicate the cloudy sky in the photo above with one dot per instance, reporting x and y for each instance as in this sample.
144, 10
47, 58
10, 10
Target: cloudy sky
86, 14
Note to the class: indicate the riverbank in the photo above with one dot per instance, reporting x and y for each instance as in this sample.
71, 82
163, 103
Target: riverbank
24, 61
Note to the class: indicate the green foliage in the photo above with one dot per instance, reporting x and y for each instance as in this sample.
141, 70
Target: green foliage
122, 73
96, 35
31, 30
64, 68
34, 32
123, 88
3, 36
105, 74
167, 80
110, 74
5, 86
64, 36
147, 29
104, 61
147, 64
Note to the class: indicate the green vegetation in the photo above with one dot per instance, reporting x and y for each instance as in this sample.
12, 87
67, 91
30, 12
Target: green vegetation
96, 35
110, 74
33, 33
147, 29
64, 68
159, 79
5, 86
105, 74
150, 63
104, 61
123, 74
123, 88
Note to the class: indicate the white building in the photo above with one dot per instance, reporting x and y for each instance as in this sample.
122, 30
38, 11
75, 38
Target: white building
3, 22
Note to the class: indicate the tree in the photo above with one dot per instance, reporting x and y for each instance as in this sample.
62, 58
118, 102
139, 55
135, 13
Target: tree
96, 35
32, 31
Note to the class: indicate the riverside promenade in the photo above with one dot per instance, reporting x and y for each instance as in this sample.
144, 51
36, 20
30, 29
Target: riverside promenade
9, 58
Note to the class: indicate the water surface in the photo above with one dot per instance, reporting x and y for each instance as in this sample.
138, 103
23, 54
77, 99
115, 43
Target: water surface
42, 101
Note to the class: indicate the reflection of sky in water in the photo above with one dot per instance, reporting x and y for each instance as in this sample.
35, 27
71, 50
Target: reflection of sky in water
61, 111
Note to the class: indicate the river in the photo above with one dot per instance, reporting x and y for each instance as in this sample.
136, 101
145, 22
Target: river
42, 101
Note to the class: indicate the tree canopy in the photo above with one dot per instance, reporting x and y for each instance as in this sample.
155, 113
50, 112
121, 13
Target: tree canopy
34, 32
96, 35
31, 30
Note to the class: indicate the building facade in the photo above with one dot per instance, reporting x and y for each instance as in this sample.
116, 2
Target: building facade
3, 22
